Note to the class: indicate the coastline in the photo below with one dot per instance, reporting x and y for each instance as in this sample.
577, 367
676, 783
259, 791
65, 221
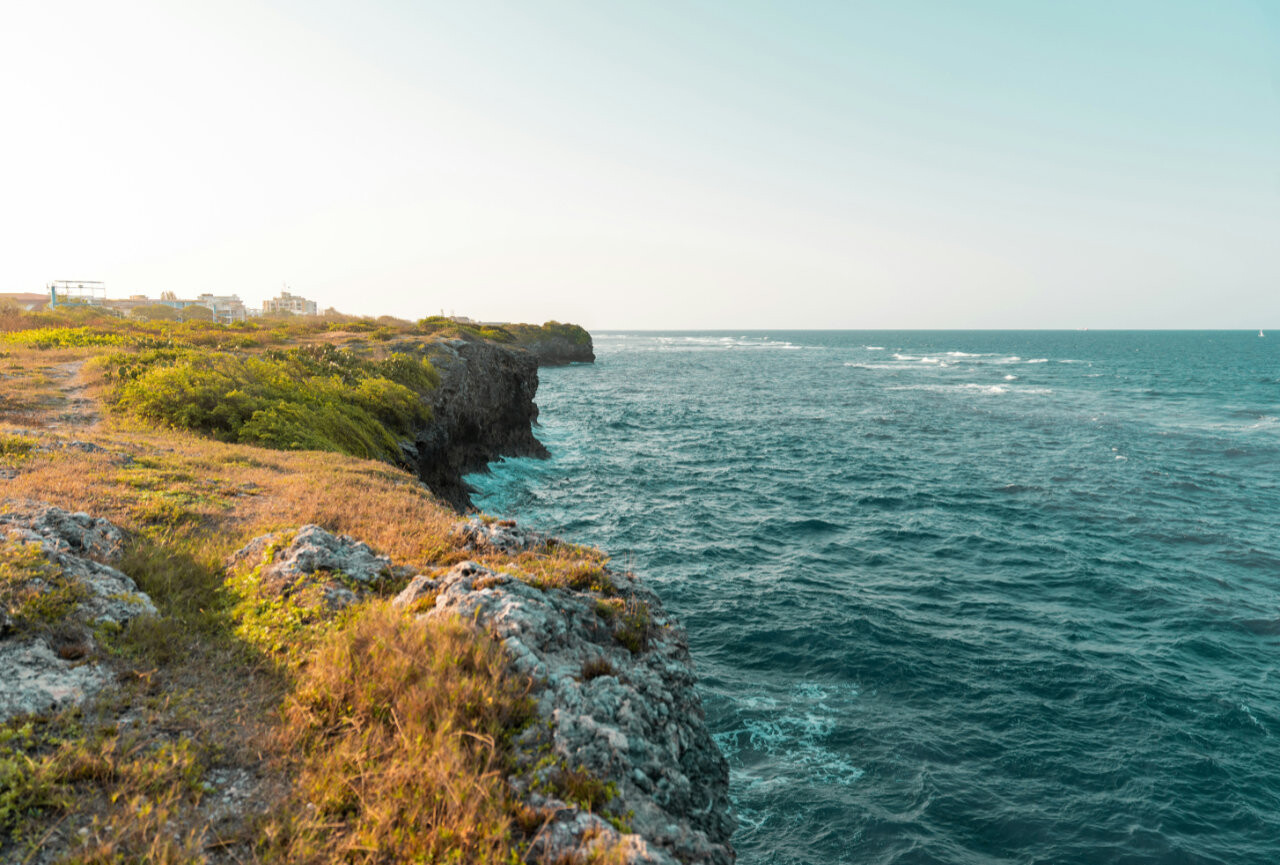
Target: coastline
598, 770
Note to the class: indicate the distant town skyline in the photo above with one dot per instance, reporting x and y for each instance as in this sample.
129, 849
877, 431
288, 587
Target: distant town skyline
710, 164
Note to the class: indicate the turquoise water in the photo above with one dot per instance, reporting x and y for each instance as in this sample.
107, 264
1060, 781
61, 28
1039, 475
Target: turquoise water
954, 597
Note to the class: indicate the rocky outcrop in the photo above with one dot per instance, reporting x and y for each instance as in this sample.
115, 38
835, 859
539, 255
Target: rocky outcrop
54, 597
614, 685
612, 679
312, 564
482, 410
558, 347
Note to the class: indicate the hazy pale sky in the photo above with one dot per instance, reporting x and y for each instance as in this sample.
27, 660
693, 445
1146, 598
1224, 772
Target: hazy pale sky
692, 164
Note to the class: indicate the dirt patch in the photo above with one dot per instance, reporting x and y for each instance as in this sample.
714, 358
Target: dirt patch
77, 410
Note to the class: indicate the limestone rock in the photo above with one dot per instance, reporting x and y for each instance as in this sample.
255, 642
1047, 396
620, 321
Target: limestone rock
48, 665
339, 565
501, 535
632, 719
34, 679
77, 533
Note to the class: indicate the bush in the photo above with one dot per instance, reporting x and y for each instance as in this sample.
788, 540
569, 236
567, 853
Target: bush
314, 398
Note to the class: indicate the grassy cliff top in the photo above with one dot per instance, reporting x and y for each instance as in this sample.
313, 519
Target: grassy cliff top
339, 383
195, 438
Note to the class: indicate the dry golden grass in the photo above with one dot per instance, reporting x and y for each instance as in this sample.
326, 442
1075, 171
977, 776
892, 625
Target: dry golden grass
387, 744
401, 731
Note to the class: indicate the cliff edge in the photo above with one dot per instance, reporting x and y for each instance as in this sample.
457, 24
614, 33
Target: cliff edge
482, 410
182, 679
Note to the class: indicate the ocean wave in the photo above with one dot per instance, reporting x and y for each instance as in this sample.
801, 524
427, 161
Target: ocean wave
714, 343
1019, 614
790, 739
975, 387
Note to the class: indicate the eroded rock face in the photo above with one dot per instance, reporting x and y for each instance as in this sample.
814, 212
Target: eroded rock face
613, 681
630, 718
312, 558
501, 535
558, 351
46, 664
482, 410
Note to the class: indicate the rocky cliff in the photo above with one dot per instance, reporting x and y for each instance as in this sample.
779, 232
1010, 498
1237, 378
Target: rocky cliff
610, 676
482, 411
555, 344
137, 648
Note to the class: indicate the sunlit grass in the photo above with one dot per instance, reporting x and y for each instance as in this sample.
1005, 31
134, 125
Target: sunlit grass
365, 736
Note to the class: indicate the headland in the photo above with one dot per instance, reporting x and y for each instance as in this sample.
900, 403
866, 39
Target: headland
247, 618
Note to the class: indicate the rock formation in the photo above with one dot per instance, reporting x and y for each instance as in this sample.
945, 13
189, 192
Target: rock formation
561, 346
482, 410
55, 594
613, 683
313, 565
615, 686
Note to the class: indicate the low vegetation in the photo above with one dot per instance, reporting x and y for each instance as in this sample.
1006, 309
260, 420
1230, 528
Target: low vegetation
241, 729
403, 737
310, 398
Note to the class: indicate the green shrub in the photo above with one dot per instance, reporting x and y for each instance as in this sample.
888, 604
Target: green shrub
311, 398
527, 333
63, 337
16, 445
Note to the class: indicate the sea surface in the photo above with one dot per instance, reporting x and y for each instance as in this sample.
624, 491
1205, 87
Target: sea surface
954, 597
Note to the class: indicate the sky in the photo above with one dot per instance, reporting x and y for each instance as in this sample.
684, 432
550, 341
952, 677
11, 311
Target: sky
655, 164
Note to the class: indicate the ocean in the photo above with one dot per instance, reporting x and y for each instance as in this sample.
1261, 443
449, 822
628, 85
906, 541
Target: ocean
953, 597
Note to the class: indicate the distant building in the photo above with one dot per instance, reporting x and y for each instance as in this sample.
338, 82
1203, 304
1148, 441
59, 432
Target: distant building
25, 300
290, 303
225, 308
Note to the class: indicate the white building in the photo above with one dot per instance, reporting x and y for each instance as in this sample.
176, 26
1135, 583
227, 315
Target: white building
291, 303
227, 308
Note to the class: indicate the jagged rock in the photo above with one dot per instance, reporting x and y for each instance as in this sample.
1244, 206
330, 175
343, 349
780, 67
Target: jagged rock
421, 588
482, 410
77, 532
34, 679
339, 565
501, 535
629, 718
47, 665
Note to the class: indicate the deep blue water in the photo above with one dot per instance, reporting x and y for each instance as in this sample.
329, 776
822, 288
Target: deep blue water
966, 597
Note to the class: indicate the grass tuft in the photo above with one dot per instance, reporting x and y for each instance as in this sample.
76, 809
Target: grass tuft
402, 731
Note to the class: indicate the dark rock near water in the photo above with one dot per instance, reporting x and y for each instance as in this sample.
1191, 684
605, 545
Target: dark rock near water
482, 410
558, 350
